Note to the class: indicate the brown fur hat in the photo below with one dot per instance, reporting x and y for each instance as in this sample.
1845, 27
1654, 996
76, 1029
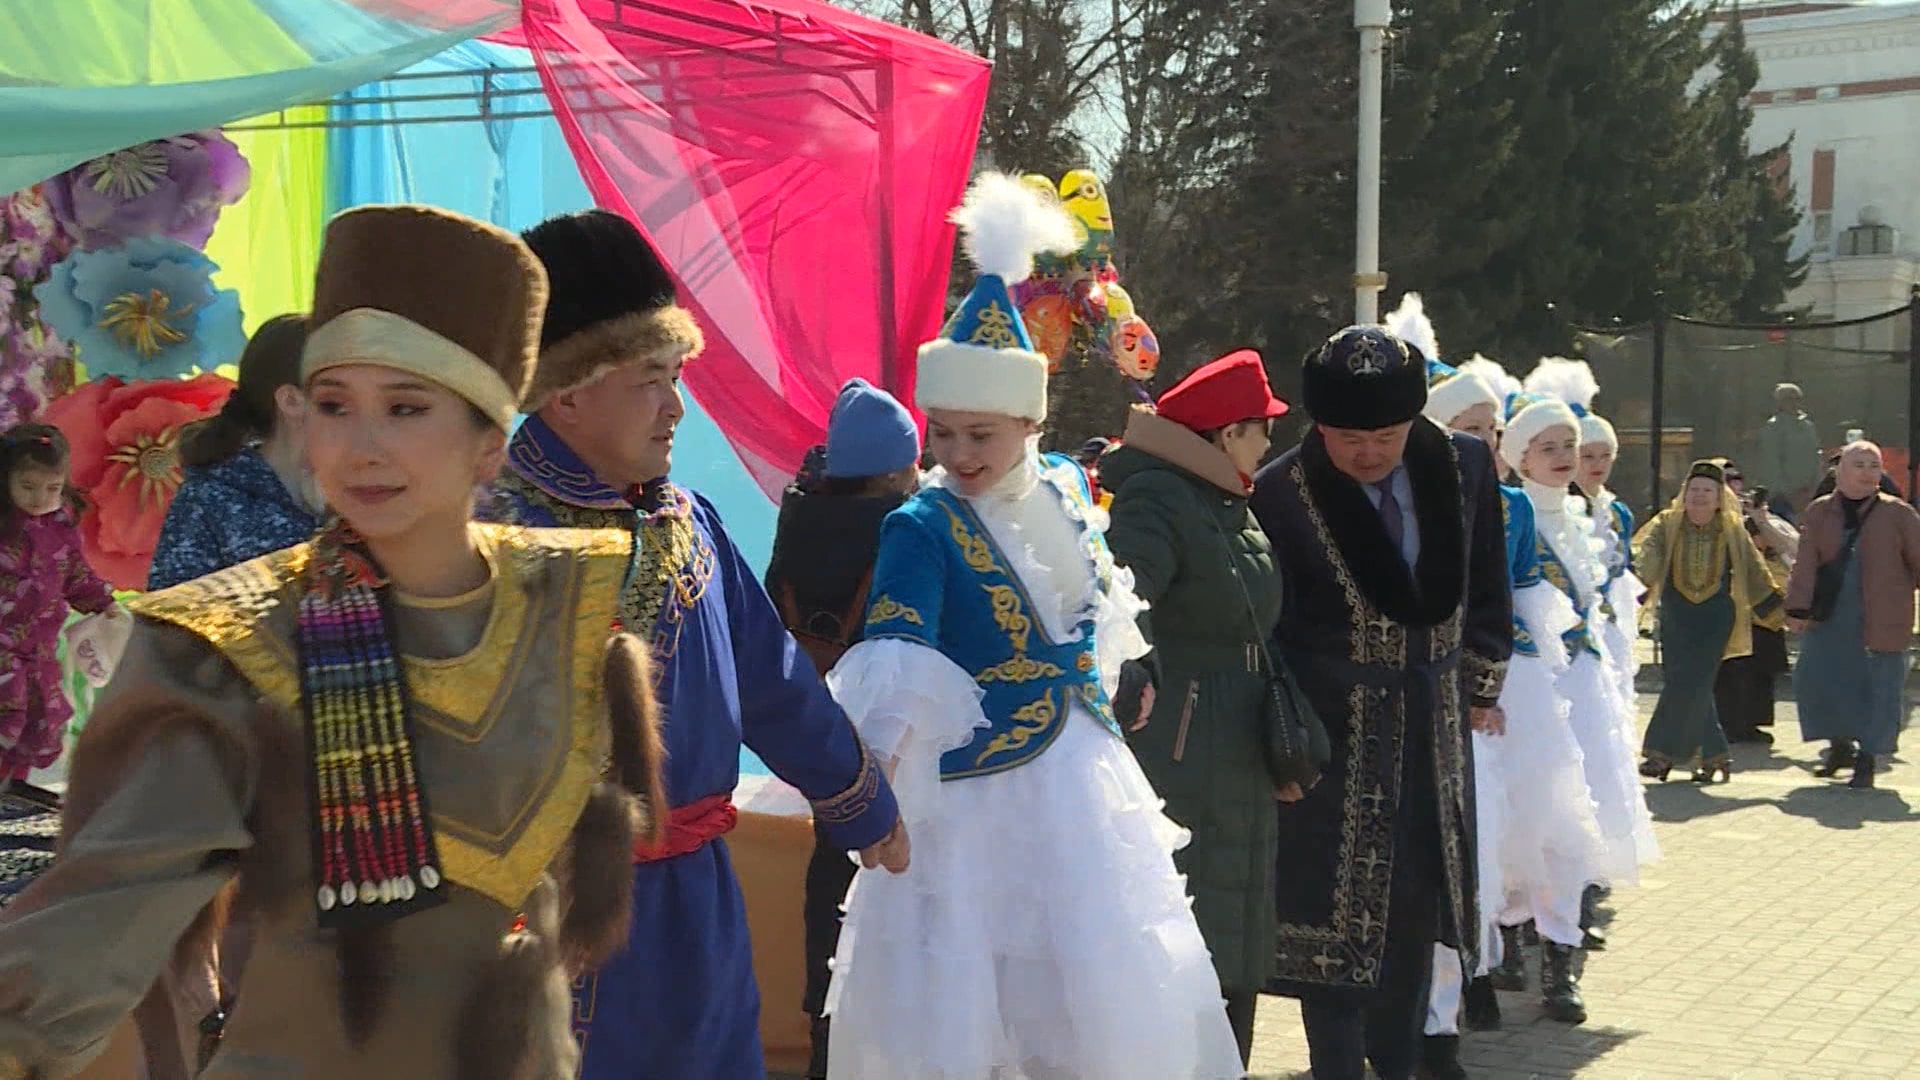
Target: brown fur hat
470, 282
612, 303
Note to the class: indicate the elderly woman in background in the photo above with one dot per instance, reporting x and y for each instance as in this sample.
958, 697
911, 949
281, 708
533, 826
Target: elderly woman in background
1707, 581
1852, 594
1181, 524
1743, 692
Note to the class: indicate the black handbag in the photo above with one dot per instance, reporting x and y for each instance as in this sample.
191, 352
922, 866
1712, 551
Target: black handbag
1830, 576
1296, 741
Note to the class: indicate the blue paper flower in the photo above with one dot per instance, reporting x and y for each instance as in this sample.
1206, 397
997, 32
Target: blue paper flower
146, 309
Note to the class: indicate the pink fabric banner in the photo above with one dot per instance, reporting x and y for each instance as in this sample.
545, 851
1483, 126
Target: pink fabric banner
794, 164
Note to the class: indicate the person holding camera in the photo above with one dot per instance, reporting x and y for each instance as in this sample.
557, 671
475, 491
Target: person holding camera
1743, 691
1851, 595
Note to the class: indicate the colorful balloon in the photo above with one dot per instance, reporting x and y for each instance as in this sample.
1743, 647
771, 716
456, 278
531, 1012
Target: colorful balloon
1049, 320
1135, 350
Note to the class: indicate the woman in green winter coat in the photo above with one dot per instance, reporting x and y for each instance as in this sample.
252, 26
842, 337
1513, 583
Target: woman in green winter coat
1180, 523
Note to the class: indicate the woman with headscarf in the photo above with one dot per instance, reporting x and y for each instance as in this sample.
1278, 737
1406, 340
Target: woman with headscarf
1707, 581
247, 491
1852, 594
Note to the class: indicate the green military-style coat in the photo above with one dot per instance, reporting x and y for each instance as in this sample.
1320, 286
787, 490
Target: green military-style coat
1181, 524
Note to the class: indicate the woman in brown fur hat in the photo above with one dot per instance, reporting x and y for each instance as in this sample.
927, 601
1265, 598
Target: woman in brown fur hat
394, 736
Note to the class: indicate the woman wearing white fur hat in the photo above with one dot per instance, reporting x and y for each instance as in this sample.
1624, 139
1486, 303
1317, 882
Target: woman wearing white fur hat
1043, 930
1555, 846
1613, 519
1606, 728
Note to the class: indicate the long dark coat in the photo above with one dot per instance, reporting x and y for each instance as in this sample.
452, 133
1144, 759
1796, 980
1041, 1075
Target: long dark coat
1181, 524
1385, 656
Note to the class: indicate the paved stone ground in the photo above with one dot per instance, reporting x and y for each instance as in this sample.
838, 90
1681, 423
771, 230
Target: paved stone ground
1779, 937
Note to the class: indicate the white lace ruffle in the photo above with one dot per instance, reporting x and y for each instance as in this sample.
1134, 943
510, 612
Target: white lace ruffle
1604, 725
1490, 822
1547, 614
910, 703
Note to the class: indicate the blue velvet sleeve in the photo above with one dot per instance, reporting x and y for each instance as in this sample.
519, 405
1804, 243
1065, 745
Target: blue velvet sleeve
1623, 523
908, 583
787, 717
1523, 554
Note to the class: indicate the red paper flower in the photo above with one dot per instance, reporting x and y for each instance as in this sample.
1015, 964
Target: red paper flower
125, 438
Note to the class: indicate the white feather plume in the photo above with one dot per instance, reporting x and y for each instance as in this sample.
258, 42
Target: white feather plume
1496, 376
1410, 324
1004, 223
1571, 381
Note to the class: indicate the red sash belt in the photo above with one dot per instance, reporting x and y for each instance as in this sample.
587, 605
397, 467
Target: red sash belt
691, 827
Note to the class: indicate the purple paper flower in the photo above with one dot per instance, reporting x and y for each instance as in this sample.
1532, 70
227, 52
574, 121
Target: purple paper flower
169, 187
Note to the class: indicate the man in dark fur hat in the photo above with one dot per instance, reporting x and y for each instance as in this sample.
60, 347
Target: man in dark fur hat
1397, 604
680, 1001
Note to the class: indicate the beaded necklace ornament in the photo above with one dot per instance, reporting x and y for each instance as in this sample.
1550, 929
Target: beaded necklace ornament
373, 844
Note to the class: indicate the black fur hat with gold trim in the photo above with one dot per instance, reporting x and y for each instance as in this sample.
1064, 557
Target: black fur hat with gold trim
612, 303
431, 292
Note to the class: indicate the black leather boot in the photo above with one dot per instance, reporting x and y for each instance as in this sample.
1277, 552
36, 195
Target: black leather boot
1592, 938
1863, 766
1482, 1005
1559, 987
1512, 972
1440, 1058
1840, 755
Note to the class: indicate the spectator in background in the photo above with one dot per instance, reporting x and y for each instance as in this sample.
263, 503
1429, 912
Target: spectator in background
1787, 453
823, 552
1851, 594
247, 491
1743, 690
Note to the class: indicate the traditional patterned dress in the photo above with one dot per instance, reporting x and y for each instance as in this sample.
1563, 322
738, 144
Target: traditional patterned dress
1385, 653
43, 573
681, 1001
195, 770
1043, 932
1604, 719
1620, 625
1553, 845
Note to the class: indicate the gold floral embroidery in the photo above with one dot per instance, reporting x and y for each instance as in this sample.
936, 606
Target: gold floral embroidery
1373, 638
995, 328
887, 609
1006, 612
974, 549
1020, 669
1028, 720
1486, 677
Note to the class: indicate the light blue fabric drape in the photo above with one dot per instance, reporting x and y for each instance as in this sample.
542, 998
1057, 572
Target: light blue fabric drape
82, 78
513, 172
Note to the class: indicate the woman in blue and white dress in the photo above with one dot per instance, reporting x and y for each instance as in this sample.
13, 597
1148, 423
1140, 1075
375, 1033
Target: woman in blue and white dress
1556, 844
1042, 932
1606, 726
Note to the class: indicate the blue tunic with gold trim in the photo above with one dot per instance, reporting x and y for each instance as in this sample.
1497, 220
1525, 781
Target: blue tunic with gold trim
681, 1001
978, 612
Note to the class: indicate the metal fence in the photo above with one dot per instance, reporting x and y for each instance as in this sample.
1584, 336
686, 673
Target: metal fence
1679, 389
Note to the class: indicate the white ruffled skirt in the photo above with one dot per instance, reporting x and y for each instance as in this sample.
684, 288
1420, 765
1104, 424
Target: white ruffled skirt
1041, 932
1490, 827
1604, 722
1552, 844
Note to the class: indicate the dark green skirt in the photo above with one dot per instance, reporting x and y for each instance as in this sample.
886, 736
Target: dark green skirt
1693, 638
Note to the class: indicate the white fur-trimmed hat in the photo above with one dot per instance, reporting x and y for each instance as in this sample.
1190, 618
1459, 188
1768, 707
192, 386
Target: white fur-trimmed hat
1451, 391
984, 361
1572, 381
1528, 415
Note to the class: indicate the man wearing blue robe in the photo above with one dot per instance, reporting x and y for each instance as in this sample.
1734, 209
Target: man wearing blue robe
680, 1002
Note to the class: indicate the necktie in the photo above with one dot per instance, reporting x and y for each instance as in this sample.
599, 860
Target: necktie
1391, 517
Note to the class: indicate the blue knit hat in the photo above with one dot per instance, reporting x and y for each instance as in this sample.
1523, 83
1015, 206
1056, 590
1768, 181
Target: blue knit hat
870, 433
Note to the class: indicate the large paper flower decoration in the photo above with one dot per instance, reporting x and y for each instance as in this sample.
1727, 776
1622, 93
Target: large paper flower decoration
126, 459
35, 365
144, 310
169, 187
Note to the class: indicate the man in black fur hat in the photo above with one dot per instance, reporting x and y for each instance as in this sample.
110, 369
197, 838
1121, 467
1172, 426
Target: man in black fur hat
680, 1001
1393, 554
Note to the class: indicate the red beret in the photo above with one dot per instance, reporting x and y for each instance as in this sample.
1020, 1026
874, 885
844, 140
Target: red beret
1227, 391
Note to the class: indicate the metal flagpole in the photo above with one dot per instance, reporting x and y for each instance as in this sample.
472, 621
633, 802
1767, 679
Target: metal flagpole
1371, 18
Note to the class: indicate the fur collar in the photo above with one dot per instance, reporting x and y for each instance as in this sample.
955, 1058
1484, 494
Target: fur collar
1431, 594
1180, 447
